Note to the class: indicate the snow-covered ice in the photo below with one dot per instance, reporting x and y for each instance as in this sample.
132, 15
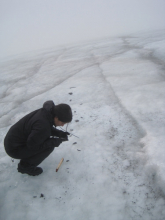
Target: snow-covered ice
116, 168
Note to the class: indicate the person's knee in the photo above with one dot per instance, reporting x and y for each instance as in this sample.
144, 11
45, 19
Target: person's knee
50, 149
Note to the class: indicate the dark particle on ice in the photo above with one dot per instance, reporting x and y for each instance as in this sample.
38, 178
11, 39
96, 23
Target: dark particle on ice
34, 196
12, 160
76, 120
42, 195
70, 93
78, 150
67, 160
75, 143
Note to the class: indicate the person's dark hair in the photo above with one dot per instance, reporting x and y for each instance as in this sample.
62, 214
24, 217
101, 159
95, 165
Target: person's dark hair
63, 112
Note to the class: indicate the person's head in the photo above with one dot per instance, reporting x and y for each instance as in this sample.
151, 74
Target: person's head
62, 114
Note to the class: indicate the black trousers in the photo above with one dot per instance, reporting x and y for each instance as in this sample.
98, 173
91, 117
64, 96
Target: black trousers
32, 157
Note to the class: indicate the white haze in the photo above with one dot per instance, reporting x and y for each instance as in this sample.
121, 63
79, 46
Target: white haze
31, 25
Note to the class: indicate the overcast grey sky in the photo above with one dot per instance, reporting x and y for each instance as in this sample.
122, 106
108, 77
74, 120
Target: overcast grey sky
27, 25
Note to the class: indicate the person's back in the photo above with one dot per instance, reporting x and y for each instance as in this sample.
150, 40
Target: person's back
18, 133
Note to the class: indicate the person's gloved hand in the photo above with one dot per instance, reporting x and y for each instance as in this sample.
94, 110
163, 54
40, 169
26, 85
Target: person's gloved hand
51, 142
56, 141
64, 136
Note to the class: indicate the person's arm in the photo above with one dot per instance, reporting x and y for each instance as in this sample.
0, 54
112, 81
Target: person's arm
61, 134
39, 138
56, 132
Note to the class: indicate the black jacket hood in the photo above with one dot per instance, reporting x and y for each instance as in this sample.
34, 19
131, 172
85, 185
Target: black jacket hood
49, 105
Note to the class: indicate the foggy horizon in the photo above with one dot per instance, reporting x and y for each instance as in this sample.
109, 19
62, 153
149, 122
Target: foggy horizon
31, 26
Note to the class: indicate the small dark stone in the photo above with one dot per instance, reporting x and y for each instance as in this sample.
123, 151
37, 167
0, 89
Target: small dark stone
70, 100
70, 93
67, 160
78, 150
34, 196
42, 195
75, 111
75, 143
76, 120
12, 160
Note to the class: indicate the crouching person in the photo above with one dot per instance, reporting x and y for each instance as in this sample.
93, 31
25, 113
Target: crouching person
34, 137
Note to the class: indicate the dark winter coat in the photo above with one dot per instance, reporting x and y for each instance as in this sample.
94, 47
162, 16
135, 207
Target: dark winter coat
34, 131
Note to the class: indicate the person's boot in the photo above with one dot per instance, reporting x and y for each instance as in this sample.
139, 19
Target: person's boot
29, 169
